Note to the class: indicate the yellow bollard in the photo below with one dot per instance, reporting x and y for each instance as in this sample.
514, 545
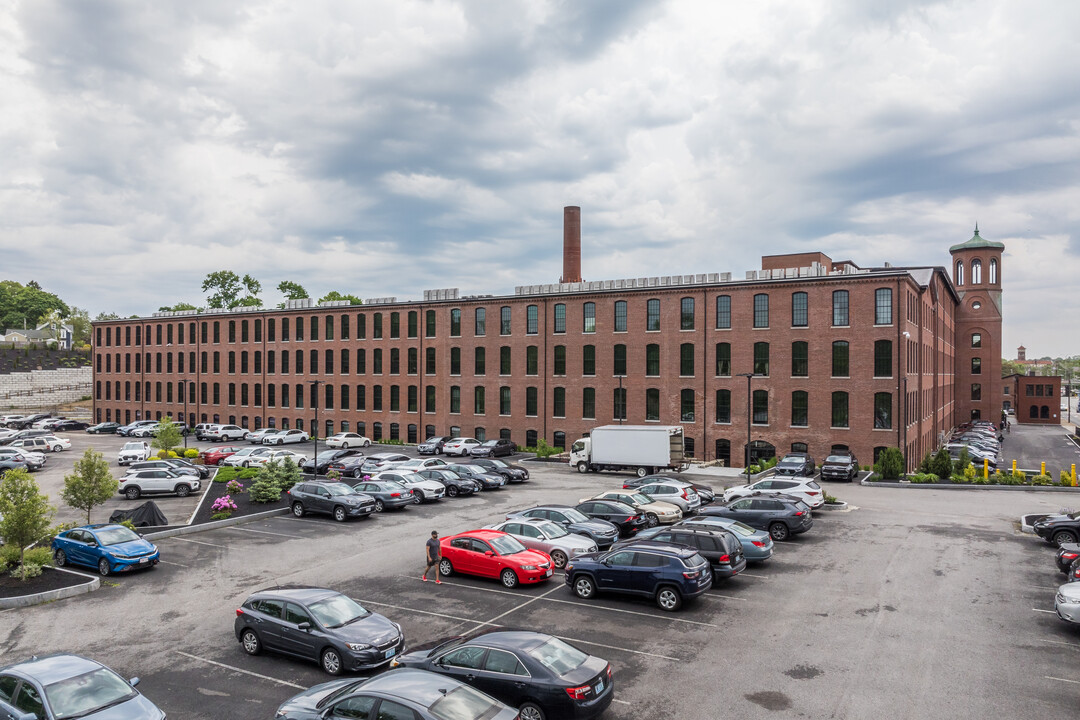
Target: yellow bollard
1014, 467
1074, 474
1042, 468
986, 468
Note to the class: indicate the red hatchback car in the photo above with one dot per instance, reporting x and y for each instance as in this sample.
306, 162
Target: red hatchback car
493, 554
214, 455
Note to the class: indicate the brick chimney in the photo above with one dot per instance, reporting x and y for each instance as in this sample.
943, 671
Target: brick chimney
571, 263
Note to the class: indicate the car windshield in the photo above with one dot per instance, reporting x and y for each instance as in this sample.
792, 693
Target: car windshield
791, 461
464, 703
327, 455
741, 529
641, 498
622, 507
83, 694
489, 443
553, 530
506, 545
116, 535
431, 440
574, 515
338, 610
838, 459
558, 656
133, 446
340, 489
413, 477
499, 463
392, 485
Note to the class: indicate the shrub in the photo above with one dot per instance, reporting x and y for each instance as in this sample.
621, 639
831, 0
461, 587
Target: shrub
129, 525
26, 571
969, 471
754, 469
333, 475
942, 465
225, 474
264, 490
922, 477
998, 478
9, 555
830, 499
1042, 480
544, 450
927, 463
290, 475
771, 462
958, 478
1065, 478
965, 458
191, 453
890, 463
1020, 477
235, 487
222, 508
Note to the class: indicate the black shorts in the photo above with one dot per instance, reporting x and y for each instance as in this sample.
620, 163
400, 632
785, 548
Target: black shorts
432, 562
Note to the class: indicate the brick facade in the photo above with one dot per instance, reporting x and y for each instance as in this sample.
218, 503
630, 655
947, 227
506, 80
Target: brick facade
1036, 398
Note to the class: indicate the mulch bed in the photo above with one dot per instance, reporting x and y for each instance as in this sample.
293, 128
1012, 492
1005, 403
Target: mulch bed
49, 579
244, 506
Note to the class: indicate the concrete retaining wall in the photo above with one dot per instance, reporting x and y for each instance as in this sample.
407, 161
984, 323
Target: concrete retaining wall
44, 388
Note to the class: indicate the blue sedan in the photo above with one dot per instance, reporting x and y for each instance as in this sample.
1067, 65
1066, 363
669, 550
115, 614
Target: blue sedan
757, 544
109, 548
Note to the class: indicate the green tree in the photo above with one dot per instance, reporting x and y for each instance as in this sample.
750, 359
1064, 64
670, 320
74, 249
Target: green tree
289, 475
291, 290
890, 463
166, 435
335, 295
108, 316
963, 461
227, 287
177, 307
90, 484
942, 464
79, 320
25, 509
24, 306
927, 463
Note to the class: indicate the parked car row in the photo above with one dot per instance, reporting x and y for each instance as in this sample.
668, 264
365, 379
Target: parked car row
982, 440
467, 446
1062, 531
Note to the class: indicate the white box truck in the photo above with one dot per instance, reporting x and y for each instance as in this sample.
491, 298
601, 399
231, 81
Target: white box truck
643, 449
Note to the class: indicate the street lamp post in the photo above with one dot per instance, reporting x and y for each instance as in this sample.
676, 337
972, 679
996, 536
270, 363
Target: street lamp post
622, 402
749, 410
315, 430
187, 422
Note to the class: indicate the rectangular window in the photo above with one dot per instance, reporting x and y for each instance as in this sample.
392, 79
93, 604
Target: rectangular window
840, 315
413, 322
883, 306
588, 403
560, 318
840, 409
455, 322
723, 312
504, 400
800, 359
429, 323
976, 340
558, 402
799, 310
314, 331
504, 320
530, 401
882, 411
588, 360
413, 361
504, 360
376, 361
361, 361
686, 360
299, 329
686, 314
455, 399
478, 400
761, 310
723, 359
361, 327
652, 315
589, 317
723, 406
344, 328
686, 405
976, 391
329, 329
480, 322
761, 407
412, 399
620, 316
455, 361
532, 320
429, 361
620, 360
976, 366
800, 408
429, 399
761, 358
376, 326
652, 404
652, 360
479, 365
559, 364
840, 359
883, 358
532, 361
361, 396
618, 410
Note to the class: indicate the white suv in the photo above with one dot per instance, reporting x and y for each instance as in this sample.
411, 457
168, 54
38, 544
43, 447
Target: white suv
282, 437
676, 492
134, 451
148, 482
805, 489
226, 433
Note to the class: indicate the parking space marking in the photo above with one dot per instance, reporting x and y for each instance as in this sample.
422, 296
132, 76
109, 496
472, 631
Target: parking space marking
1052, 612
530, 601
1062, 642
166, 562
621, 702
292, 518
1074, 682
422, 612
197, 542
719, 596
620, 649
265, 532
759, 577
240, 670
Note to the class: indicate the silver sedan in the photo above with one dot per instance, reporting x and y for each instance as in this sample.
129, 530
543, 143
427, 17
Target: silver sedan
540, 534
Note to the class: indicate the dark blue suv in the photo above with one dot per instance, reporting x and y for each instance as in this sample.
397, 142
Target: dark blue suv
669, 574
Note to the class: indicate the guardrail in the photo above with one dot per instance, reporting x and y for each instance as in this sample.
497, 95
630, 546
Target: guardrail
41, 391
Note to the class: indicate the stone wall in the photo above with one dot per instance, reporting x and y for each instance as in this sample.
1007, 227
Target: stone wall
45, 388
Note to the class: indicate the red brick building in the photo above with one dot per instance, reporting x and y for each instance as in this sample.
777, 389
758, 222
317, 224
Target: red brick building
1036, 398
864, 358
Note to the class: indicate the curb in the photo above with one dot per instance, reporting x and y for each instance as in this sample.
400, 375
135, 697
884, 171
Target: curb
965, 486
49, 595
189, 529
837, 507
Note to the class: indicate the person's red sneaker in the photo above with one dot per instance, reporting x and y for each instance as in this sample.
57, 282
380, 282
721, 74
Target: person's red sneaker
423, 578
438, 582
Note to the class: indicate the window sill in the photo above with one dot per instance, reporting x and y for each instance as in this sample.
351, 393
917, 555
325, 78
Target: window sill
761, 328
888, 430
754, 424
798, 426
725, 329
840, 327
721, 422
800, 327
839, 377
883, 325
834, 427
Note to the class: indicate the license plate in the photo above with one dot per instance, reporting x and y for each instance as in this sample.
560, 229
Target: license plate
144, 560
548, 573
599, 687
390, 652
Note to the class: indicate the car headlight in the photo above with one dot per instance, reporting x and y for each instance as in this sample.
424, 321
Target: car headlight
356, 647
528, 567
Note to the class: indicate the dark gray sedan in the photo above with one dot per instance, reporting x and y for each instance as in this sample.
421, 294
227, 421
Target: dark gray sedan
317, 624
387, 494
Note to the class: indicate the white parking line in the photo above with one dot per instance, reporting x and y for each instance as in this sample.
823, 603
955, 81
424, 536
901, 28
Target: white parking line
265, 532
240, 670
197, 542
724, 597
1050, 677
616, 647
759, 577
621, 702
422, 612
166, 562
1062, 642
515, 609
293, 518
1052, 612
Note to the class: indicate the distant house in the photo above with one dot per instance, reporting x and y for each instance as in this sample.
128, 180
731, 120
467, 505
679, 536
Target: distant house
41, 335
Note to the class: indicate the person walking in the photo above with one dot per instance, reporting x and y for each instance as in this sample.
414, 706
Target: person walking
434, 554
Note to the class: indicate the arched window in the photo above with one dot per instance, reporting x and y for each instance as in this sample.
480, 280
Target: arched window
976, 272
1033, 412
993, 271
959, 272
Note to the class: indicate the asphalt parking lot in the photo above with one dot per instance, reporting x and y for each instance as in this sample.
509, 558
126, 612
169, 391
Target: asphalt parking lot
918, 604
1031, 445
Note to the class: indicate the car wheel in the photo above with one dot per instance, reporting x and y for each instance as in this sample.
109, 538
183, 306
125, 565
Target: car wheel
1063, 536
509, 578
339, 514
452, 491
182, 491
642, 472
668, 598
103, 567
250, 642
584, 587
331, 661
559, 558
531, 711
298, 509
418, 497
357, 474
446, 568
280, 441
132, 493
57, 448
59, 558
583, 467
379, 507
367, 444
779, 531
652, 520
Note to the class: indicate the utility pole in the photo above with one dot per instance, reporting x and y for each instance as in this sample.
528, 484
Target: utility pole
315, 430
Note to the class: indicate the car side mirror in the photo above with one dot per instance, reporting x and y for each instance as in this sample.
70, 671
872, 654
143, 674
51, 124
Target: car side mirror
133, 681
305, 626
489, 553
92, 544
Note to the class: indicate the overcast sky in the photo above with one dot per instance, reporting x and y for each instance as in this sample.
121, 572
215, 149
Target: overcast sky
386, 147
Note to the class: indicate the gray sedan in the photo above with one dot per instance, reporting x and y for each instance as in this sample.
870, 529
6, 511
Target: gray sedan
547, 536
757, 545
387, 494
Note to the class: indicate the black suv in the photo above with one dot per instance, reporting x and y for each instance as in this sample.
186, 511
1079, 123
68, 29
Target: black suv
512, 472
629, 520
330, 498
667, 573
1059, 529
720, 547
796, 464
782, 516
840, 466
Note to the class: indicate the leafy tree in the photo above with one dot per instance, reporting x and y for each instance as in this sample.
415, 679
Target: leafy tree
107, 316
166, 435
290, 475
942, 464
25, 509
267, 486
890, 463
24, 306
963, 461
291, 290
335, 295
177, 307
79, 320
227, 286
91, 484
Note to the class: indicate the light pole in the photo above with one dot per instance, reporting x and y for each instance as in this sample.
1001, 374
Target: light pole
622, 402
315, 430
187, 422
749, 410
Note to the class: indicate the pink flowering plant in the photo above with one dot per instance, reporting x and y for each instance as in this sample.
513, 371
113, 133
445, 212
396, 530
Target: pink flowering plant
222, 508
235, 487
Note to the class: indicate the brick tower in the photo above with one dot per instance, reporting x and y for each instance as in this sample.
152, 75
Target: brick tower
977, 277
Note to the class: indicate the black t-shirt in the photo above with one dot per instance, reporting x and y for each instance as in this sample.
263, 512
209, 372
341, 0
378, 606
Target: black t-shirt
432, 548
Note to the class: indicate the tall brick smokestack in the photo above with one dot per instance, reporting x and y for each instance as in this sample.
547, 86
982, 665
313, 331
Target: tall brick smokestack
571, 252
